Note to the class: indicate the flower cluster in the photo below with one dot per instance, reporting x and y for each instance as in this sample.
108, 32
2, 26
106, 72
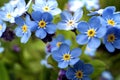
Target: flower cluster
102, 27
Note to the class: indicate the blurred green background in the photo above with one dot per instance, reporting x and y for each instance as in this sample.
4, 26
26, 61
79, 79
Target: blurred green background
25, 65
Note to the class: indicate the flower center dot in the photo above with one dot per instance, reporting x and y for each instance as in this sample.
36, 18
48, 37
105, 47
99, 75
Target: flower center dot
79, 74
42, 24
66, 57
70, 23
111, 22
46, 9
0, 27
24, 28
111, 38
58, 44
9, 15
91, 33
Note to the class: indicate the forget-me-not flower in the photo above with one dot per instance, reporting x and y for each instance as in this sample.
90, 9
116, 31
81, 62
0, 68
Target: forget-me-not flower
47, 6
56, 42
90, 51
65, 57
43, 24
90, 33
24, 28
2, 27
80, 71
68, 21
112, 39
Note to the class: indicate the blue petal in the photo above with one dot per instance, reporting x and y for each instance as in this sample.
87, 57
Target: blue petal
32, 25
36, 15
94, 22
4, 27
68, 42
78, 14
63, 64
86, 78
55, 11
79, 65
109, 47
101, 32
70, 73
1, 33
76, 52
74, 61
88, 69
117, 44
1, 49
94, 41
52, 3
40, 33
65, 15
108, 11
57, 55
51, 28
83, 27
19, 21
47, 17
60, 38
116, 17
18, 32
26, 37
64, 48
82, 39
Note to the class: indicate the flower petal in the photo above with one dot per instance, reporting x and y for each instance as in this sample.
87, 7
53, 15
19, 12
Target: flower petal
51, 28
76, 52
83, 27
65, 15
94, 41
78, 14
19, 21
88, 69
55, 11
117, 44
57, 56
64, 48
109, 47
101, 32
26, 37
82, 39
40, 33
79, 65
36, 15
18, 32
63, 64
70, 73
74, 61
47, 17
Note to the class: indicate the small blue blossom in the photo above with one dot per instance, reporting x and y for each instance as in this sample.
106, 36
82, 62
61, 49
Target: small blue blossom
112, 39
80, 71
43, 24
7, 13
2, 27
110, 17
91, 33
65, 57
1, 48
106, 75
24, 28
98, 12
56, 42
47, 6
68, 21
90, 51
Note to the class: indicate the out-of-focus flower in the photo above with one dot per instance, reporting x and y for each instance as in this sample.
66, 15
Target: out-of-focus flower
16, 48
1, 48
2, 27
98, 12
106, 75
112, 39
7, 13
90, 51
43, 24
56, 42
47, 6
80, 71
24, 28
65, 57
61, 75
90, 33
73, 5
68, 21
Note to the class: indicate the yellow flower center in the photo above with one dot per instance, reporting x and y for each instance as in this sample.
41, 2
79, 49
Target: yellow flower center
111, 22
58, 44
79, 74
46, 9
9, 15
24, 28
0, 27
66, 57
111, 38
42, 24
91, 33
70, 23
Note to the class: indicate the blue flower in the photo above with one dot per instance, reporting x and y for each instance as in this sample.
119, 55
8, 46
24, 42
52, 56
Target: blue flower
90, 51
43, 24
65, 57
91, 33
106, 75
2, 27
47, 6
98, 12
24, 28
56, 42
112, 39
7, 13
68, 21
110, 18
80, 71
